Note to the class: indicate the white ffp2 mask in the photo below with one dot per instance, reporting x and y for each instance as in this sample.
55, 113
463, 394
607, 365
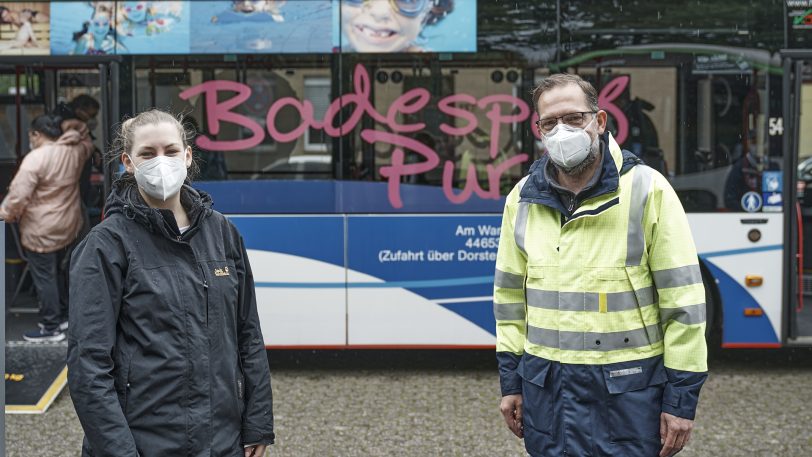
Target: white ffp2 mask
568, 146
161, 177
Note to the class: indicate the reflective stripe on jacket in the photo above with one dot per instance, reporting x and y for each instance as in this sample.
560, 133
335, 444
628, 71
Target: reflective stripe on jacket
616, 281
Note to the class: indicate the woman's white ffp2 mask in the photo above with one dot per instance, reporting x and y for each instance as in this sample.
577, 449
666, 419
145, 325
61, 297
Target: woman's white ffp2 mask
568, 146
161, 177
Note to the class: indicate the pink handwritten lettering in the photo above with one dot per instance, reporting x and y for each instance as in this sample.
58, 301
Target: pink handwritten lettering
398, 168
608, 94
359, 98
221, 111
447, 106
409, 103
498, 119
501, 110
305, 110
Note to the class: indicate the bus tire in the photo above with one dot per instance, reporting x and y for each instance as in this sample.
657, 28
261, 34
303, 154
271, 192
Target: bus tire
713, 310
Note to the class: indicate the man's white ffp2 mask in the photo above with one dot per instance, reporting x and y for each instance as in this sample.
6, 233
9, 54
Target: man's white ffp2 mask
161, 177
568, 146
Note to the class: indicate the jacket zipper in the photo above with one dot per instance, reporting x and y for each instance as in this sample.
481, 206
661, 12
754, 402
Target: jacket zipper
206, 292
205, 284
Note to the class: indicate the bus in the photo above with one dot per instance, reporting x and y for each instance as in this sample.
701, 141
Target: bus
368, 183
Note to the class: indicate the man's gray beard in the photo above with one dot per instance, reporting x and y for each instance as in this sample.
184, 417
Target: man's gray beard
578, 170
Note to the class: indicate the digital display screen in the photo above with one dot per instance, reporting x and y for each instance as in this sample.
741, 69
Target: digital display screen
263, 27
239, 27
405, 26
25, 28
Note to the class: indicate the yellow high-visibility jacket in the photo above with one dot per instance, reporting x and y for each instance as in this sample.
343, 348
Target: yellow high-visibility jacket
617, 280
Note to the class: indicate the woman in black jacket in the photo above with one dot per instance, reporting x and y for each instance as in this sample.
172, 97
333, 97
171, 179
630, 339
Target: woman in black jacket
165, 352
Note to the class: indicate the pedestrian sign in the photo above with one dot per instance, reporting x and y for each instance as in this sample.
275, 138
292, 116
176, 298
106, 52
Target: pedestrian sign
751, 202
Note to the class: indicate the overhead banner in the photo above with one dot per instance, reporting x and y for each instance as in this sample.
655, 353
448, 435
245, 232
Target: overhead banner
239, 27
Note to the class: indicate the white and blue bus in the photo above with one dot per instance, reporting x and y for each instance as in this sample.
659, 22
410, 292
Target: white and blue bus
368, 183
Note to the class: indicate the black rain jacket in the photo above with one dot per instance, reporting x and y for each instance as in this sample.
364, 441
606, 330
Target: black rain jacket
165, 352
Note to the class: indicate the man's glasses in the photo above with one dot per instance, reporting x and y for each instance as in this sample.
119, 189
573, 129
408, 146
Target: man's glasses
571, 119
408, 8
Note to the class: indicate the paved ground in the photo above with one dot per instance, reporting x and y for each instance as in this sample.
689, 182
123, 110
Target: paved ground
371, 403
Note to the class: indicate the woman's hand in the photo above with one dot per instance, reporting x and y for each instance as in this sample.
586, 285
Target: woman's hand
255, 451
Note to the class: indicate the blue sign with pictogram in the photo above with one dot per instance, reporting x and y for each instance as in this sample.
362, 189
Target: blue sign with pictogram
751, 202
772, 181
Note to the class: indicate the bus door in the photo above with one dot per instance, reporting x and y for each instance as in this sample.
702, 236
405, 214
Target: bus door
797, 129
29, 88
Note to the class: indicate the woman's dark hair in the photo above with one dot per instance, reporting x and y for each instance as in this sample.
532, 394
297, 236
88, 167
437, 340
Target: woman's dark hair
49, 125
3, 9
82, 32
84, 102
439, 11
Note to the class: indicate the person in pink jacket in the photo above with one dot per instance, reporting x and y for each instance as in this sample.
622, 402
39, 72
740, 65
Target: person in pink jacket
43, 199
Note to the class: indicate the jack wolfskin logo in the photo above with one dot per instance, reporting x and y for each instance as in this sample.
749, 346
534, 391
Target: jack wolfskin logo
626, 372
221, 271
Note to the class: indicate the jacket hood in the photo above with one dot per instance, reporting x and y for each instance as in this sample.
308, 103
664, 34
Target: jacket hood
124, 198
616, 162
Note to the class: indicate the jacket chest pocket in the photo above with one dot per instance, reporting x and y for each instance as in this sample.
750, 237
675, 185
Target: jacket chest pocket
153, 298
617, 291
223, 291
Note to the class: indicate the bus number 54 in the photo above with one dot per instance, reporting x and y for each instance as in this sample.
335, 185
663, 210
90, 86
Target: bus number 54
776, 126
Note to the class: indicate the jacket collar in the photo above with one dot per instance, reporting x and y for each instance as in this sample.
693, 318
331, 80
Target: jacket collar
616, 162
126, 199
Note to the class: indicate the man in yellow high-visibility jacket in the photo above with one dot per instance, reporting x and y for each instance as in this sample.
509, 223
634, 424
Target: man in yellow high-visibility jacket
598, 298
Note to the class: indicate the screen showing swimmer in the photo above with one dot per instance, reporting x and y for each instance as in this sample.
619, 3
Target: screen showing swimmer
24, 28
404, 26
153, 27
261, 26
123, 27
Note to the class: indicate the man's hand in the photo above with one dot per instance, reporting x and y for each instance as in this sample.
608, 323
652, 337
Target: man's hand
675, 432
255, 451
511, 407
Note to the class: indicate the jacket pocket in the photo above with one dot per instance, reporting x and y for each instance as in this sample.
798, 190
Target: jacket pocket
223, 293
535, 271
240, 393
122, 379
635, 394
537, 396
610, 274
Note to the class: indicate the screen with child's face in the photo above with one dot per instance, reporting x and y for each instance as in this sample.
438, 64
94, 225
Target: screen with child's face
25, 29
403, 26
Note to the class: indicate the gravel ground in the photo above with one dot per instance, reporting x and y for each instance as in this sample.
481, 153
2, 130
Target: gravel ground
371, 403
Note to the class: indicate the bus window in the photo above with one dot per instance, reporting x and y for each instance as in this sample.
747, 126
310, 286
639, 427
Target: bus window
701, 122
463, 132
32, 104
229, 109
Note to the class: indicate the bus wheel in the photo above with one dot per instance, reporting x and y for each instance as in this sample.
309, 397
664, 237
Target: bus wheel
713, 327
